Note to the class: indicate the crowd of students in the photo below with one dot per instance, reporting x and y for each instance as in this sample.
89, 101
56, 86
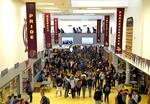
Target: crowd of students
83, 68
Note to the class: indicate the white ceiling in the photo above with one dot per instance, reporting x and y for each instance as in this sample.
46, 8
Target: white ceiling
79, 7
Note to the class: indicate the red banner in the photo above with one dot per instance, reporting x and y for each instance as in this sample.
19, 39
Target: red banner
106, 33
47, 22
31, 29
56, 37
120, 17
98, 31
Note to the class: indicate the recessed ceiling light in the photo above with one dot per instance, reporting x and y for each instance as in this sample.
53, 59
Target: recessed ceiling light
53, 11
89, 14
93, 8
45, 3
49, 8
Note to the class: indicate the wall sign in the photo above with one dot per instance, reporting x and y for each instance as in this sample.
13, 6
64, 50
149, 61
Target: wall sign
56, 37
31, 29
120, 17
47, 22
106, 32
129, 35
98, 30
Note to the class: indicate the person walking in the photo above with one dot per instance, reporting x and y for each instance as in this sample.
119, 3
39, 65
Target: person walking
84, 85
106, 92
98, 96
29, 90
89, 82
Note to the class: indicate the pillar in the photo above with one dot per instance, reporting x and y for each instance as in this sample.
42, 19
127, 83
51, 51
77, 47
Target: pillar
127, 81
115, 62
20, 83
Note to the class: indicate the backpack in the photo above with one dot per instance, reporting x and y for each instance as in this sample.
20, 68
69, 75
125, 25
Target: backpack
107, 89
139, 98
45, 100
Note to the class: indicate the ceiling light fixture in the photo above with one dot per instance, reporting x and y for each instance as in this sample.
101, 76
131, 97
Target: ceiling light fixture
45, 3
48, 8
93, 8
89, 14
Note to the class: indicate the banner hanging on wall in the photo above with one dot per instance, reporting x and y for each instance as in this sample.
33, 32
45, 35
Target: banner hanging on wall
31, 29
98, 31
106, 33
129, 35
47, 23
120, 17
56, 37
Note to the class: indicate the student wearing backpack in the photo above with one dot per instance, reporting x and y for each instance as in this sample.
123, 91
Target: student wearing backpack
107, 92
44, 99
98, 96
131, 100
137, 97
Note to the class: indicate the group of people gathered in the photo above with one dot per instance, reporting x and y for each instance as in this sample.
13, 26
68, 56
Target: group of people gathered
83, 68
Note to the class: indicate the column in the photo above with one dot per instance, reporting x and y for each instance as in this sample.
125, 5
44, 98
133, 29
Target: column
127, 73
20, 83
115, 62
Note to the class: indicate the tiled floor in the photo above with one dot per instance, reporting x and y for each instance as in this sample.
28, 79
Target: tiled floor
87, 100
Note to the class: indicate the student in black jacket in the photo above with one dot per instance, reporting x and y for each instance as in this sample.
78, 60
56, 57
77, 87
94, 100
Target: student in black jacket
97, 96
119, 97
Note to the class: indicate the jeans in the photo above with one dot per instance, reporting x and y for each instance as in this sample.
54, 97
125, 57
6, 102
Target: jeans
66, 92
30, 95
107, 98
90, 90
83, 91
73, 92
78, 92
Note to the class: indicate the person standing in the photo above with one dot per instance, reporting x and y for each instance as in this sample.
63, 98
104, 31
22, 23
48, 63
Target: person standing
89, 82
29, 90
101, 76
106, 92
66, 85
59, 84
84, 85
78, 87
119, 97
97, 96
72, 83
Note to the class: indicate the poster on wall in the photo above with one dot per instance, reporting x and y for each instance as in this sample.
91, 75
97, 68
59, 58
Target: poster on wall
87, 40
67, 40
98, 30
31, 29
120, 18
47, 23
129, 35
106, 33
56, 37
